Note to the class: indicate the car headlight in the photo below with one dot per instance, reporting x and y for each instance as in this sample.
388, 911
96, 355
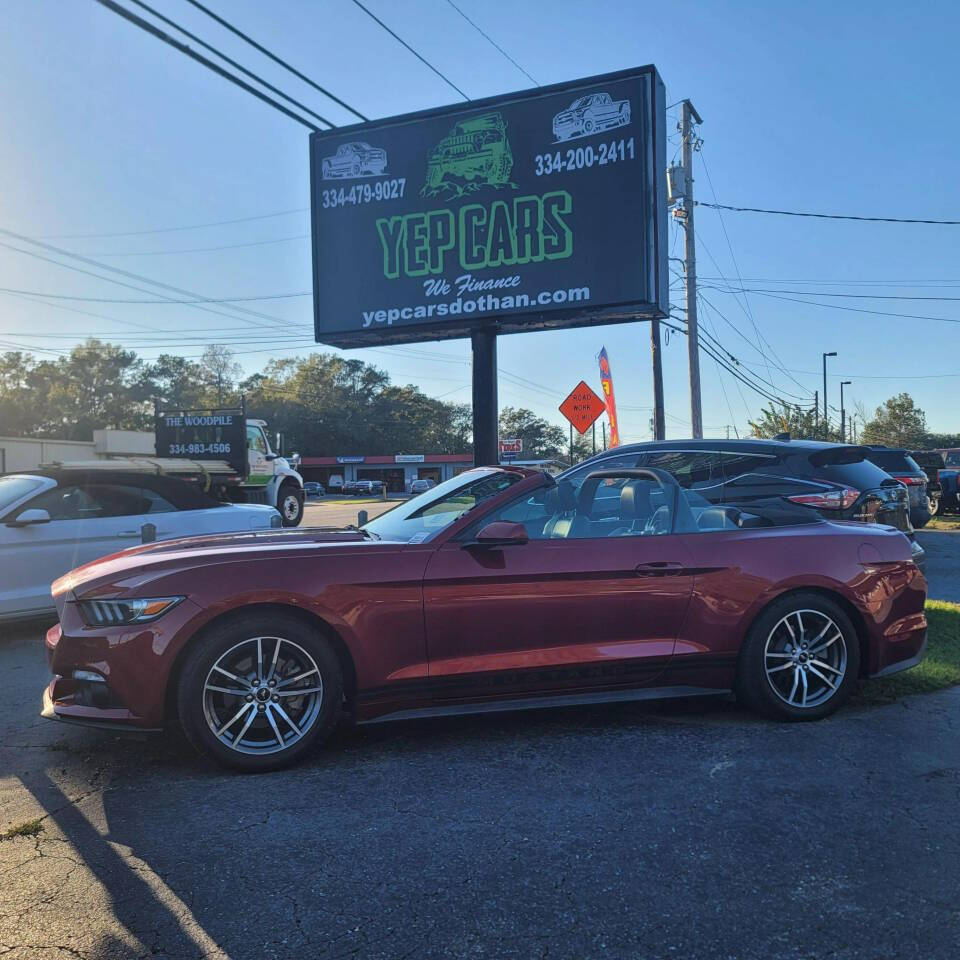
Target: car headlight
118, 612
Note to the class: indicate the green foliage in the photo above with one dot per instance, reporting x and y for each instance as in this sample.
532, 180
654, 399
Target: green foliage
800, 422
541, 439
899, 422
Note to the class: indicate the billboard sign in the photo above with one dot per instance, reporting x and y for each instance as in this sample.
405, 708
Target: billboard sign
203, 435
511, 449
539, 209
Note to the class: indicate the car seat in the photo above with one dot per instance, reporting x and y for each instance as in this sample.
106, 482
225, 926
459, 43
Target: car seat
558, 526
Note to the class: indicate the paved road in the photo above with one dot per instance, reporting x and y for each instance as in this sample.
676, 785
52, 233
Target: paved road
943, 563
338, 513
666, 831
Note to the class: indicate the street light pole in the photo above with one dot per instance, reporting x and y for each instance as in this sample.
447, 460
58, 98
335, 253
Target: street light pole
843, 412
826, 412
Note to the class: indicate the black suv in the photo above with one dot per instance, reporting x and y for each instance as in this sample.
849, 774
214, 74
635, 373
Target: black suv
931, 463
838, 480
901, 466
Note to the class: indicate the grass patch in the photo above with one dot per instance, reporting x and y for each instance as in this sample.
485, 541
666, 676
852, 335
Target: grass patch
944, 522
28, 829
939, 669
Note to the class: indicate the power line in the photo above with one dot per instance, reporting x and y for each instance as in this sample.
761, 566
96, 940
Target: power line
233, 63
126, 273
492, 42
877, 313
222, 246
283, 63
826, 293
193, 226
167, 301
828, 216
199, 58
736, 266
404, 43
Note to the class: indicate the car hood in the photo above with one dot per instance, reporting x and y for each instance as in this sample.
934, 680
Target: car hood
151, 559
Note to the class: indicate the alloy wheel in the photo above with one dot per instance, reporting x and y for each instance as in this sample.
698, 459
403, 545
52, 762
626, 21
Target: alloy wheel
805, 658
263, 695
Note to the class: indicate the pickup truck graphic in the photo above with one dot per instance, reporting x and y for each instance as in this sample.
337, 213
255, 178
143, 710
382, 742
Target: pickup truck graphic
355, 159
475, 152
591, 114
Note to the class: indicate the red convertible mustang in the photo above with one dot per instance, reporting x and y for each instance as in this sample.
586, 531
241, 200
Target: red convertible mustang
500, 589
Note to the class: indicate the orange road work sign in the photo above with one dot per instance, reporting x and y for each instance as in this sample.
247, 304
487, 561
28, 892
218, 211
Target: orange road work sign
582, 407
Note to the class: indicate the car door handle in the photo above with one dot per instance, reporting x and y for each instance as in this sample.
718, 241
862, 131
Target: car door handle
660, 568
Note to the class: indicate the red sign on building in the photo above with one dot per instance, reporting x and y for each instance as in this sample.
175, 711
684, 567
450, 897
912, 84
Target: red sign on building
582, 407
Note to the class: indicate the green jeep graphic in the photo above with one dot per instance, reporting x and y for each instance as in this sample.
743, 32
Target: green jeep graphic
474, 154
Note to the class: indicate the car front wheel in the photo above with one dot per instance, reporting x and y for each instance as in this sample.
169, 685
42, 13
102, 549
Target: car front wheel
800, 659
258, 693
933, 505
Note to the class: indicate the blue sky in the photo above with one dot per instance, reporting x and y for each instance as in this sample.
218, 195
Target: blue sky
816, 106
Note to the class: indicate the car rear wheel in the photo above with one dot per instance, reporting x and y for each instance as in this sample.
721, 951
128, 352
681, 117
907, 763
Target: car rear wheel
259, 693
800, 659
933, 505
290, 505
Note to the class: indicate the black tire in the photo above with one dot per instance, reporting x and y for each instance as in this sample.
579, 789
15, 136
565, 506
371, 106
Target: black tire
767, 693
933, 505
197, 708
290, 504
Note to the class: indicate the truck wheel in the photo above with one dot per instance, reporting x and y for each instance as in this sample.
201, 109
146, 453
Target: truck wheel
290, 505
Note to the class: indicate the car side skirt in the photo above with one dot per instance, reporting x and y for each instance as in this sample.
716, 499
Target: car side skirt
542, 702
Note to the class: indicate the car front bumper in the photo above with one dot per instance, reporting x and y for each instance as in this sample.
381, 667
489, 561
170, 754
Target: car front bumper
112, 676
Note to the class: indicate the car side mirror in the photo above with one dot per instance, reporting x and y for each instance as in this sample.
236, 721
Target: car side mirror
29, 517
501, 533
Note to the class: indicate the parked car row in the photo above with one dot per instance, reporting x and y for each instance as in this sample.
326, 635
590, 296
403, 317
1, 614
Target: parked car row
654, 570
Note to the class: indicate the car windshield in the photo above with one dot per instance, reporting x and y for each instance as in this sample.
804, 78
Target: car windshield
13, 488
424, 516
582, 102
953, 459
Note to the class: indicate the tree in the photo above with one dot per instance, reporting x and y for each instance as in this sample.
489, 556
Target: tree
221, 371
541, 439
800, 422
176, 381
899, 422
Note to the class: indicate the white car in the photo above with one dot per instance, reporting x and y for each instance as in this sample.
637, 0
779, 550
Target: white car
52, 521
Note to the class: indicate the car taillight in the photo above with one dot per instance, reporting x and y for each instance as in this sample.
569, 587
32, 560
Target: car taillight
910, 481
837, 499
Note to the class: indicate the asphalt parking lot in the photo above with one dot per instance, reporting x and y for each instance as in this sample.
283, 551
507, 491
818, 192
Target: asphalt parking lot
684, 830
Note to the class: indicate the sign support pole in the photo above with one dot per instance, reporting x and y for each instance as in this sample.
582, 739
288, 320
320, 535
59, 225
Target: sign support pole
485, 404
659, 421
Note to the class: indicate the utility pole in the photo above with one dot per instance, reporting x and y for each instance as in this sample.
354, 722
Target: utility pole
603, 423
843, 412
816, 412
826, 412
688, 118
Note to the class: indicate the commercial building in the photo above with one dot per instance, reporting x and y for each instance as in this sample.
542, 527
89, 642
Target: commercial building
397, 471
27, 453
